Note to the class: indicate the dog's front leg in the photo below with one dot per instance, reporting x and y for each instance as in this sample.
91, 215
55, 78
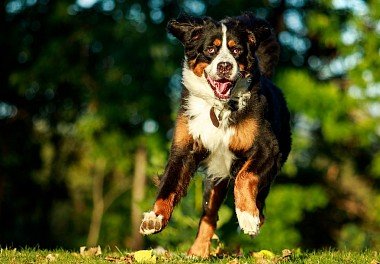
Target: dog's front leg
252, 185
185, 156
173, 186
246, 190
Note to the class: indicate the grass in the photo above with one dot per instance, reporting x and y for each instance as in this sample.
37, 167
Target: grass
264, 257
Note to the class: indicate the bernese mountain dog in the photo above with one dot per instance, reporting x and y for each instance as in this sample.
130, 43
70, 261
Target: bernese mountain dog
232, 121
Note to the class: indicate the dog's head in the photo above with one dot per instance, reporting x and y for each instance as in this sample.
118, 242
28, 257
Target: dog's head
220, 51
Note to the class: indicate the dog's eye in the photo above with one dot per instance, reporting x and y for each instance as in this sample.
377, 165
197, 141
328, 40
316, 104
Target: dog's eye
236, 51
211, 50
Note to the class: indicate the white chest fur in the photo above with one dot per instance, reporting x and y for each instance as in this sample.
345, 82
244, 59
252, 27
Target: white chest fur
214, 139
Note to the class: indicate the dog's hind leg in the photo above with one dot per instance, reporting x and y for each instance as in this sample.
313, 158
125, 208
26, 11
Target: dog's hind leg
213, 197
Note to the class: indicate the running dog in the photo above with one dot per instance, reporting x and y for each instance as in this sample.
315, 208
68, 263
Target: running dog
233, 122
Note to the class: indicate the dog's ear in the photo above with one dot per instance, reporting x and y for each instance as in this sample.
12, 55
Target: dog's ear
187, 28
258, 29
262, 39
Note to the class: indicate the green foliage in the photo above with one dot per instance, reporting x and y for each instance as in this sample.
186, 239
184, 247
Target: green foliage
375, 166
318, 102
286, 206
83, 88
285, 209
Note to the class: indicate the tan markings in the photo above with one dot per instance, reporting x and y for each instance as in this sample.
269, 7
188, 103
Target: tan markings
217, 42
245, 134
182, 138
164, 207
199, 68
191, 63
241, 67
246, 190
231, 43
201, 246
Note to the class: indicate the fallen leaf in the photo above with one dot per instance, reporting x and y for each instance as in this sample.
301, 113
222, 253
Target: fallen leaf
145, 256
125, 259
219, 250
265, 254
92, 251
160, 251
215, 237
287, 253
51, 257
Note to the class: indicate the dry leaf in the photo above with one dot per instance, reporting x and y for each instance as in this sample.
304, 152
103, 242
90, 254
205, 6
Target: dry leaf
215, 237
238, 252
219, 251
160, 251
286, 253
51, 257
126, 259
92, 251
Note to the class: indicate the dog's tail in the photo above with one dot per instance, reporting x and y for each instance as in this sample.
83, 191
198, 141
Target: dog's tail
262, 36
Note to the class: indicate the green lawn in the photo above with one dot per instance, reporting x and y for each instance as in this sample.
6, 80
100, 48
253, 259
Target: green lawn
263, 257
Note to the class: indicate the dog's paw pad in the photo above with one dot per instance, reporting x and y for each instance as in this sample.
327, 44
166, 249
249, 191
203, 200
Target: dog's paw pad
249, 223
151, 223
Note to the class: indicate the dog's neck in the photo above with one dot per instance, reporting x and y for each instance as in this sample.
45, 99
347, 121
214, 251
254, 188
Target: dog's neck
219, 109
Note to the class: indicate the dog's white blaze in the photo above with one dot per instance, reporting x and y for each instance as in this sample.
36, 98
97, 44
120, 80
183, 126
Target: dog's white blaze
199, 103
216, 140
224, 55
249, 223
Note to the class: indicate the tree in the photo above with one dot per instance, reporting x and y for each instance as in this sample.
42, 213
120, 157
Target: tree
84, 88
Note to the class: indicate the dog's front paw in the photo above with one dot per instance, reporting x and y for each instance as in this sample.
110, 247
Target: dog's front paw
151, 223
249, 223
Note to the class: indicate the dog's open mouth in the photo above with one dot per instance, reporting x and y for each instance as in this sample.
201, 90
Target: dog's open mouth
222, 87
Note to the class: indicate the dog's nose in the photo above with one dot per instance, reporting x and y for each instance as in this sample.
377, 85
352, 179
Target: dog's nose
224, 68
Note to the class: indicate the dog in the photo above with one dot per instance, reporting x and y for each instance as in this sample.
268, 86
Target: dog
232, 121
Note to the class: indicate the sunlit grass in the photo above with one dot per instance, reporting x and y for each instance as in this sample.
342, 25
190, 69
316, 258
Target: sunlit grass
63, 256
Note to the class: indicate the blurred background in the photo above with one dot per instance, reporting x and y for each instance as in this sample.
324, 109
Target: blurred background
88, 95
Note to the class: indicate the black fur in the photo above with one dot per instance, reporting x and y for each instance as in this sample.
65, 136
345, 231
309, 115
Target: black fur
257, 55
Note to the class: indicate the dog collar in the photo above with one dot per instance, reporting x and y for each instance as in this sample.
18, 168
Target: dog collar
214, 118
239, 91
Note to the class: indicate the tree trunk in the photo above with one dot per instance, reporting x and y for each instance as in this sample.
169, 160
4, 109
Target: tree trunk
98, 204
135, 241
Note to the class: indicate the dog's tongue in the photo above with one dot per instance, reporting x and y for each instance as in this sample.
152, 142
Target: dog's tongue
221, 88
